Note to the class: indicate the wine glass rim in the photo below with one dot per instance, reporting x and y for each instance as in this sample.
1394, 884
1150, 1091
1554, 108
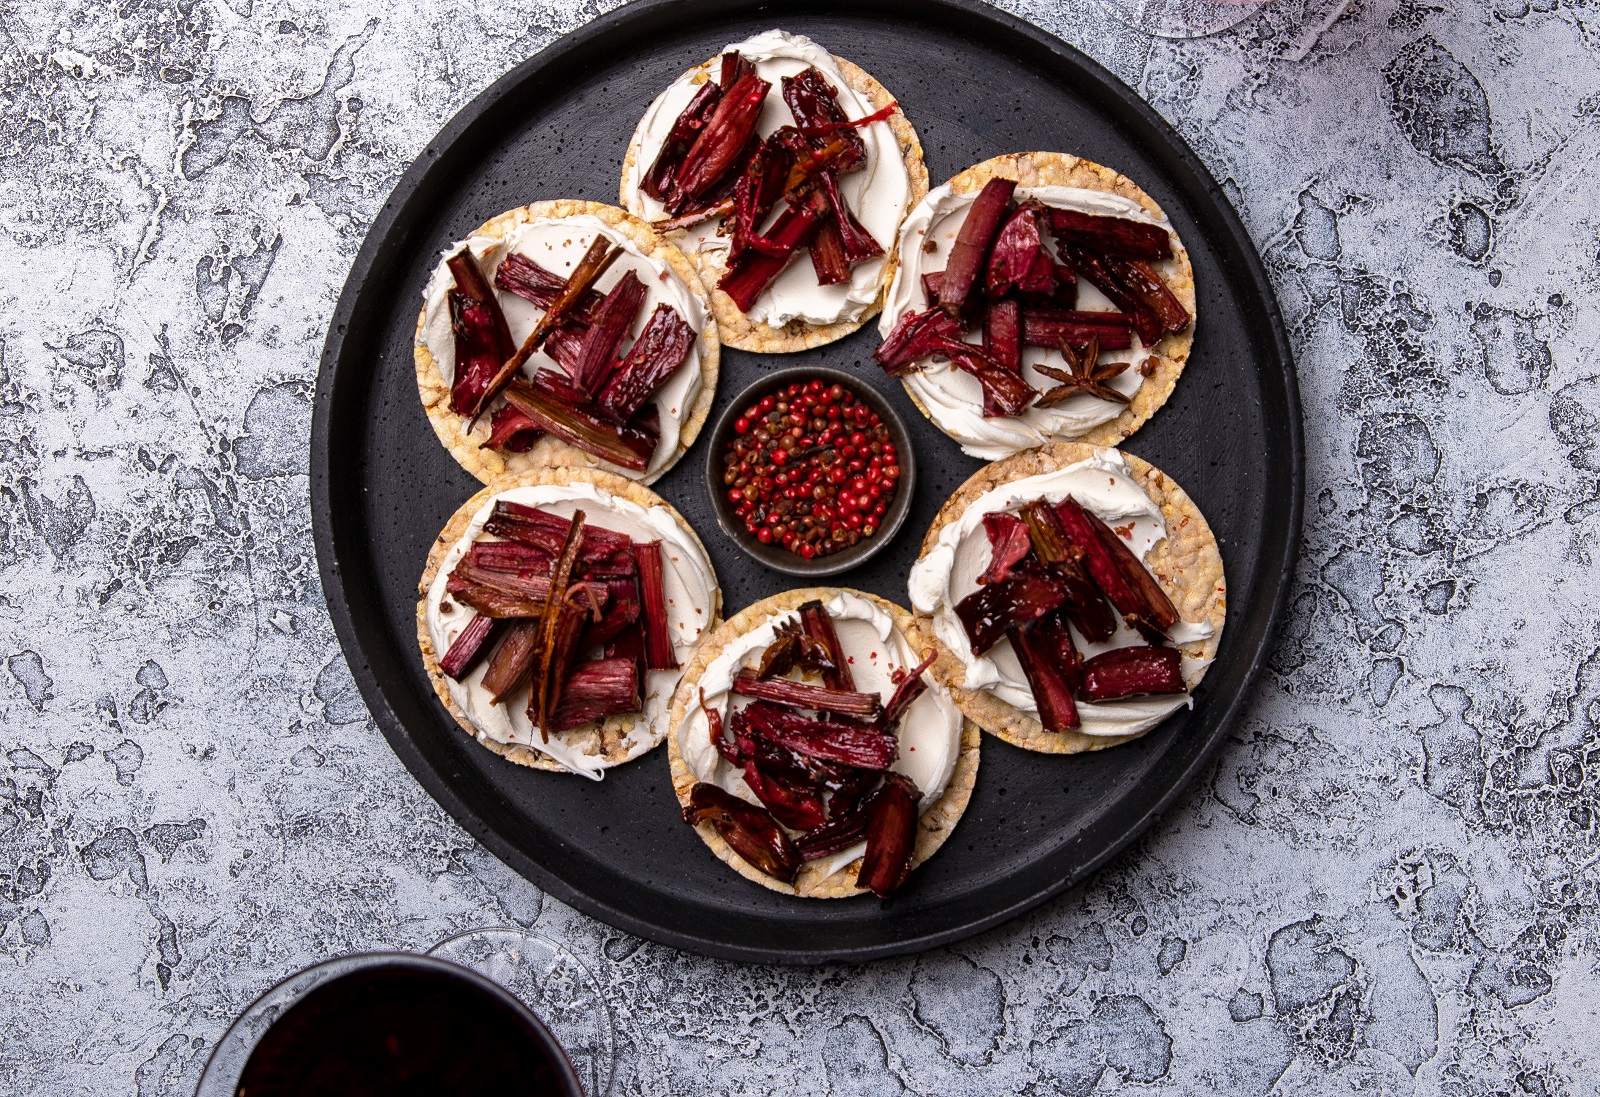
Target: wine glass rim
355, 961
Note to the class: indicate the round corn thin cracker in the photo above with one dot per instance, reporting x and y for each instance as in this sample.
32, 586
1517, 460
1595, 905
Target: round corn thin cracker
489, 465
605, 737
737, 329
933, 827
1043, 169
1187, 563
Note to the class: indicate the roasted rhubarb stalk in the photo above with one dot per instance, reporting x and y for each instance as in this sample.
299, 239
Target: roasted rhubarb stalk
910, 687
511, 665
511, 431
715, 152
1097, 270
1114, 567
891, 836
1009, 545
545, 533
989, 611
558, 632
659, 654
595, 690
596, 260
1002, 334
746, 279
468, 647
482, 339
920, 335
1052, 693
1050, 327
1130, 672
535, 284
657, 182
752, 833
827, 741
1018, 261
1121, 236
626, 446
966, 264
785, 691
839, 833
612, 320
792, 804
1147, 285
815, 105
658, 352
818, 625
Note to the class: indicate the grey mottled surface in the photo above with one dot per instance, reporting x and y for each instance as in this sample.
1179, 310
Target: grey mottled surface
1388, 884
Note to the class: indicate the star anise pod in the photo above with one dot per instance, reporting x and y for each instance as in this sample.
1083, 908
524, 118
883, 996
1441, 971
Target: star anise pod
1084, 373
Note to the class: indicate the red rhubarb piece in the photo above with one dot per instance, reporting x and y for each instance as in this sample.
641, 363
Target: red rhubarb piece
1052, 695
960, 287
751, 831
659, 654
745, 280
1120, 236
1009, 545
891, 836
612, 321
511, 665
512, 431
1106, 557
715, 152
1002, 333
1158, 613
790, 803
595, 690
657, 182
626, 446
1050, 327
542, 287
859, 244
1130, 672
482, 339
1145, 282
786, 691
989, 611
916, 336
825, 740
827, 255
1096, 269
814, 102
1018, 260
910, 687
818, 625
470, 645
661, 348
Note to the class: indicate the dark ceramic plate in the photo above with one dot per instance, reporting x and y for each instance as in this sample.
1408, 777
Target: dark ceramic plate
975, 83
775, 556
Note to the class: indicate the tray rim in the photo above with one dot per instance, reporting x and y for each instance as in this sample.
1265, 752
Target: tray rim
1187, 174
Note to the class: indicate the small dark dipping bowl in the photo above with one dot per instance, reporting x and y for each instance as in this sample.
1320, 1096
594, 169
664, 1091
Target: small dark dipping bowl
775, 556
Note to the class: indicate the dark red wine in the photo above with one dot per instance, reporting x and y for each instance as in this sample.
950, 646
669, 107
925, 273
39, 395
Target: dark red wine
406, 1027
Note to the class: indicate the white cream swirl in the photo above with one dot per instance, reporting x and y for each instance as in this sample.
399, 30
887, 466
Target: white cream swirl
557, 244
690, 590
954, 398
950, 570
878, 193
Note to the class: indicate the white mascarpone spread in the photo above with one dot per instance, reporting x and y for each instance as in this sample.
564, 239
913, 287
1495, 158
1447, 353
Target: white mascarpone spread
878, 192
929, 733
690, 590
949, 572
557, 244
954, 399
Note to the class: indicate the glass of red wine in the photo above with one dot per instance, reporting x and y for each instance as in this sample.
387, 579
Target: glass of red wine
499, 1012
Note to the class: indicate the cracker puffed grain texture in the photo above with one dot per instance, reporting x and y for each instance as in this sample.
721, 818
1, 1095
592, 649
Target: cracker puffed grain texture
1187, 563
491, 464
606, 737
933, 827
737, 329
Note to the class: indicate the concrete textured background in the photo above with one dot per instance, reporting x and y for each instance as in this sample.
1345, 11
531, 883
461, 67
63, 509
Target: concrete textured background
1388, 883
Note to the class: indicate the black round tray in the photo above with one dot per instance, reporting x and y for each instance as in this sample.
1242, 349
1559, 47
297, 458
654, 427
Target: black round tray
975, 83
